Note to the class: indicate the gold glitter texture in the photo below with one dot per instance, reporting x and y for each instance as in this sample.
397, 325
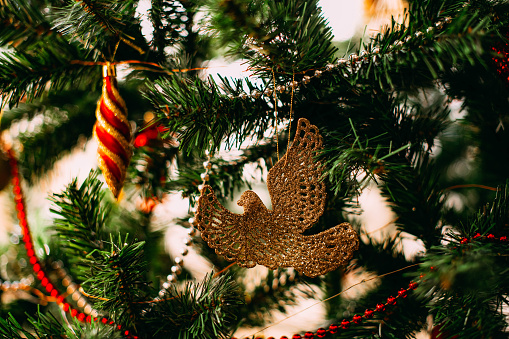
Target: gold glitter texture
274, 238
112, 132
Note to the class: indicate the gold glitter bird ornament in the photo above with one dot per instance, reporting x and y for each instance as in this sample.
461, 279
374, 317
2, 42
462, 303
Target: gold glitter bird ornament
274, 238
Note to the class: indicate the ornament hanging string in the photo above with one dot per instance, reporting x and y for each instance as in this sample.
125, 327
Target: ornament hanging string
291, 115
275, 112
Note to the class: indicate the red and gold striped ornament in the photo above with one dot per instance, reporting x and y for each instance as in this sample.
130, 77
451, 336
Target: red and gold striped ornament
112, 132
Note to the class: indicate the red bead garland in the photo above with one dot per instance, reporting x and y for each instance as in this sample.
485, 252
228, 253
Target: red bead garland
32, 258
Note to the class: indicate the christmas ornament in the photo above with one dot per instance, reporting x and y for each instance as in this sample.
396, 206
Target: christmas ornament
112, 132
274, 238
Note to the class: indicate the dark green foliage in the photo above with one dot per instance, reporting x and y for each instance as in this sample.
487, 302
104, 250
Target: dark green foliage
286, 37
82, 220
116, 275
201, 114
198, 310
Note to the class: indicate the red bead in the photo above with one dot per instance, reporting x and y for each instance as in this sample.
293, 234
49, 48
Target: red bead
391, 300
464, 241
402, 293
368, 313
345, 324
126, 333
432, 268
111, 322
37, 266
321, 332
357, 319
88, 319
44, 281
40, 275
30, 253
140, 140
333, 328
413, 285
19, 206
380, 307
477, 235
309, 335
81, 317
60, 299
490, 236
296, 336
119, 327
49, 288
284, 337
66, 307
503, 239
54, 293
21, 215
74, 312
104, 320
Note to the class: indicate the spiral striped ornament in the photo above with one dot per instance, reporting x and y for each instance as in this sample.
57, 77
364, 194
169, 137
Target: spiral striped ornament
112, 132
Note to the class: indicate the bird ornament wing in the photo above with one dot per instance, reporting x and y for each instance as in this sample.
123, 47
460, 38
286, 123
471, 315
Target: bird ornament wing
221, 229
296, 191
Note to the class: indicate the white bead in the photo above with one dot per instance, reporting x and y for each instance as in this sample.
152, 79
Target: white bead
318, 73
71, 288
207, 164
184, 251
243, 95
179, 261
200, 187
76, 295
166, 285
66, 281
176, 269
329, 67
306, 79
192, 220
191, 231
188, 241
81, 302
87, 309
171, 278
204, 176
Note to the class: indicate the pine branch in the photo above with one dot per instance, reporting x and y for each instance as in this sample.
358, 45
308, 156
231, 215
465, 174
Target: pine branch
24, 76
287, 37
24, 26
203, 310
116, 276
200, 113
83, 216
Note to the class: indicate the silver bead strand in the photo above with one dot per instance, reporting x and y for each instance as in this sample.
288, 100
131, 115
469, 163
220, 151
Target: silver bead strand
176, 269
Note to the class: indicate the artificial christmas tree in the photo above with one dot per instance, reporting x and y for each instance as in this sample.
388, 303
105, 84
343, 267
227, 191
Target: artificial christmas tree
417, 112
